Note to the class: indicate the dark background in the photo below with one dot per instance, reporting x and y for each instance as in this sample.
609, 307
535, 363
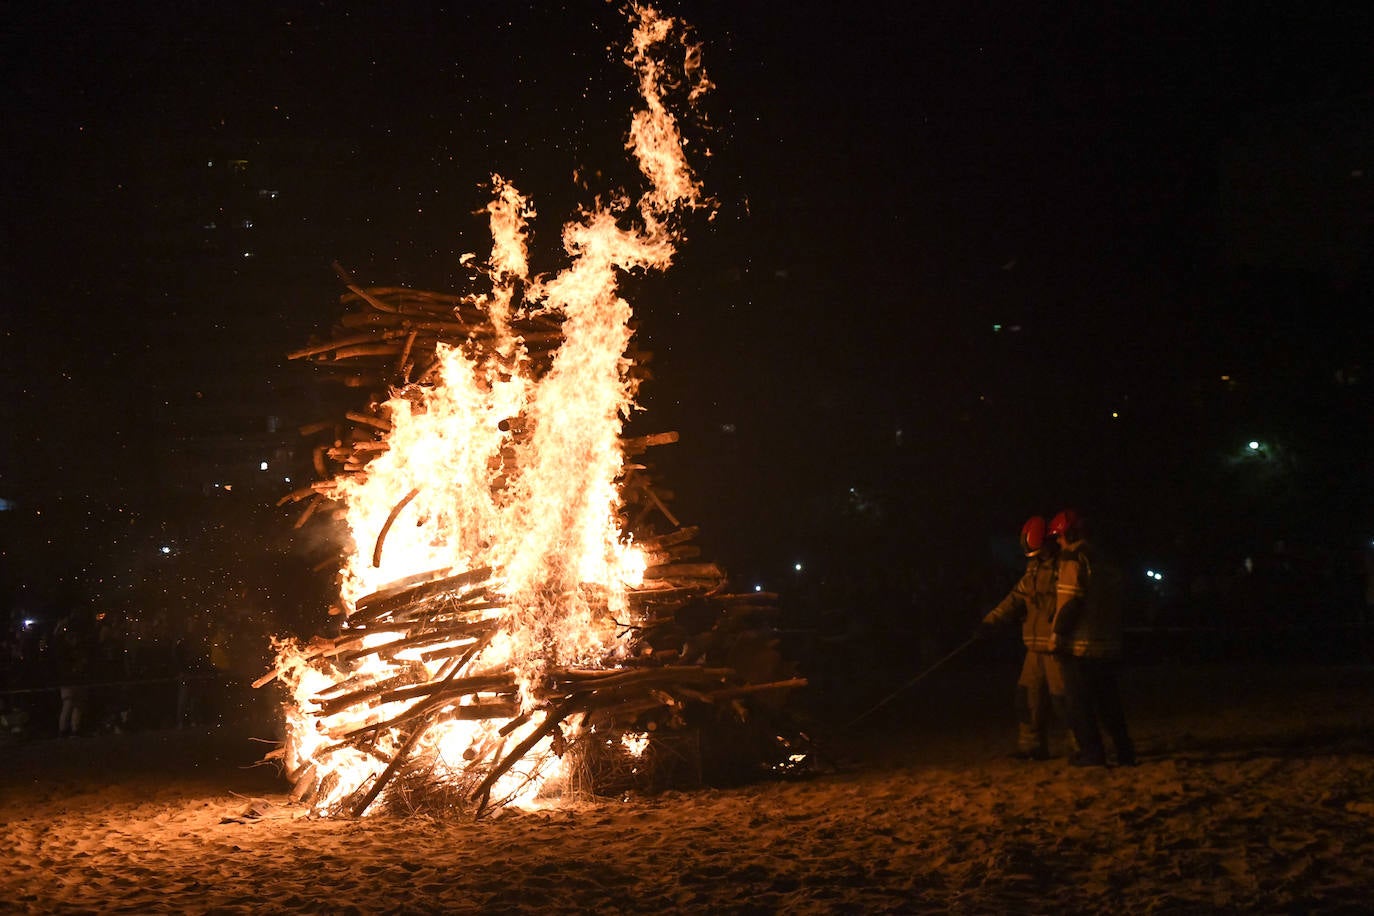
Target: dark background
970, 262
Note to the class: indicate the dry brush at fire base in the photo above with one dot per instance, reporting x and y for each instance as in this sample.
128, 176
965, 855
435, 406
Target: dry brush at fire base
692, 657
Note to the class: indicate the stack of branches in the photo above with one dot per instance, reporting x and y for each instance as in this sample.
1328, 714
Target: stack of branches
389, 339
449, 618
689, 641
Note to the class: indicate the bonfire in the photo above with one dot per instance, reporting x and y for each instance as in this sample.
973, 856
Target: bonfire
522, 614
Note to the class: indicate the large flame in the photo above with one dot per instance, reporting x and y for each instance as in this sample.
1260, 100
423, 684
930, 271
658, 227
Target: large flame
489, 464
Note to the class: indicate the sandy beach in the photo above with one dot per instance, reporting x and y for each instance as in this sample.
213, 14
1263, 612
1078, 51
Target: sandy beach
1255, 792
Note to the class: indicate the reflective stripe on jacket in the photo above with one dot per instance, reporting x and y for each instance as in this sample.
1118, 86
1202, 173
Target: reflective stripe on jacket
1087, 618
1032, 601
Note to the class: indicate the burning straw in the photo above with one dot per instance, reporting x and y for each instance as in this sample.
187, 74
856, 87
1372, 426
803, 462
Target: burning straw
518, 595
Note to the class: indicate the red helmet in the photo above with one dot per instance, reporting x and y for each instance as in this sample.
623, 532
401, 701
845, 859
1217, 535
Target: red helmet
1033, 534
1067, 523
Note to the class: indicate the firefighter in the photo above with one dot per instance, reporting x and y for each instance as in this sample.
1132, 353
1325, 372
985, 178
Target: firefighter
1087, 638
1032, 601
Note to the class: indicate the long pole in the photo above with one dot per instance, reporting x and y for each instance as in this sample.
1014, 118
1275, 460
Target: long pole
914, 681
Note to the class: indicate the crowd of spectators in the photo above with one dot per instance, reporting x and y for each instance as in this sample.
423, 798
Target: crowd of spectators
87, 671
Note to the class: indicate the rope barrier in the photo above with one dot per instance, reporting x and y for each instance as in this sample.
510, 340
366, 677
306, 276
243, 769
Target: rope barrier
125, 683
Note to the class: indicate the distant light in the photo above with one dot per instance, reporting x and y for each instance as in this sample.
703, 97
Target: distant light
758, 588
248, 254
28, 622
1115, 415
996, 329
262, 466
797, 567
1149, 573
287, 479
1254, 445
165, 549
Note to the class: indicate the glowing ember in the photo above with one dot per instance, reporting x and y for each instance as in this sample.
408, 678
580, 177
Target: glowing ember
635, 744
488, 564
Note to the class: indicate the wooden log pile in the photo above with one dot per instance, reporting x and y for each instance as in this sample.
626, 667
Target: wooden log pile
694, 650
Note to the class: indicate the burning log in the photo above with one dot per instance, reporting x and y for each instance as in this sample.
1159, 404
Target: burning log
406, 601
391, 692
447, 632
638, 445
331, 346
685, 571
310, 510
366, 419
386, 526
390, 770
482, 794
403, 362
296, 496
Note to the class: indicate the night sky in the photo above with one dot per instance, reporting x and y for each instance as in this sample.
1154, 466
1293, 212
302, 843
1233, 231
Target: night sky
969, 262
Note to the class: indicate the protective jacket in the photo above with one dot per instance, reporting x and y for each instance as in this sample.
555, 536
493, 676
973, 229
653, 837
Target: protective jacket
1087, 617
1032, 601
